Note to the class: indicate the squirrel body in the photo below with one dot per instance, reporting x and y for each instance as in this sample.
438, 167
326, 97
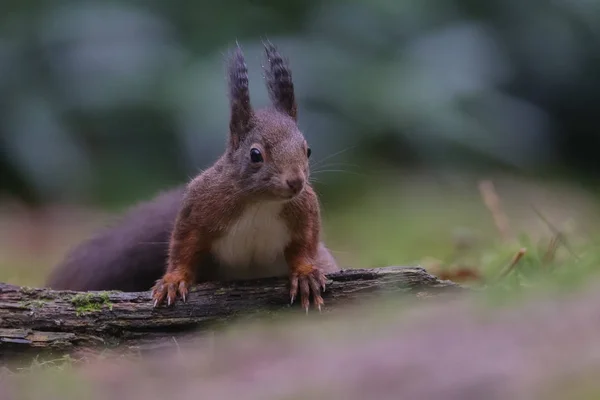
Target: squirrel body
131, 254
252, 214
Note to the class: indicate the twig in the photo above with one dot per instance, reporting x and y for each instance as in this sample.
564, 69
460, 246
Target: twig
551, 250
559, 235
515, 260
492, 202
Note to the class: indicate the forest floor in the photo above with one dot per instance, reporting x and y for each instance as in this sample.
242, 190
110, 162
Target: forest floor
531, 332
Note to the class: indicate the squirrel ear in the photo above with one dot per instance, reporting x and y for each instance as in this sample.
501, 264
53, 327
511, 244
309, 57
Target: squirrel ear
279, 81
239, 97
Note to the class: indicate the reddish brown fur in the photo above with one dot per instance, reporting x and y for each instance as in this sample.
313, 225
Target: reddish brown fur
218, 196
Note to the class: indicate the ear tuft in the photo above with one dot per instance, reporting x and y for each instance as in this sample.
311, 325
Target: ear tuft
279, 81
239, 96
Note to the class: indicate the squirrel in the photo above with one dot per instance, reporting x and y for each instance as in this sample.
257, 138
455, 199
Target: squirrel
252, 214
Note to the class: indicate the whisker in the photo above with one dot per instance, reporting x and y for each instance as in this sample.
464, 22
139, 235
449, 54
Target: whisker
333, 155
339, 170
341, 164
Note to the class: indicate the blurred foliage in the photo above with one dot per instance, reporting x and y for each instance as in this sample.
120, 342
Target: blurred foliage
107, 102
104, 101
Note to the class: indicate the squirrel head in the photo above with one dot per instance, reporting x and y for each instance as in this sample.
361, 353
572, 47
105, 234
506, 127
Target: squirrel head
267, 153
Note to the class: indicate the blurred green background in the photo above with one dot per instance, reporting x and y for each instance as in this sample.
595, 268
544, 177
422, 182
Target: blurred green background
406, 104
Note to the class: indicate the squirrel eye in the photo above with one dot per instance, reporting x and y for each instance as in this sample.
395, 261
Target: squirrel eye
255, 155
308, 152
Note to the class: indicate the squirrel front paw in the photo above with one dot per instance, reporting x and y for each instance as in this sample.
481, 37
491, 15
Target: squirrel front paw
307, 278
168, 287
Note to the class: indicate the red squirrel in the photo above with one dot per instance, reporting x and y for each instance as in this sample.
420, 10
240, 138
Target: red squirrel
252, 214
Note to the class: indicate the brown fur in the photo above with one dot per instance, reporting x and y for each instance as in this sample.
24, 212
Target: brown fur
185, 224
220, 195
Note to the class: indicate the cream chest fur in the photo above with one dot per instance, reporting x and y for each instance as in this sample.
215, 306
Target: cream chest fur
254, 243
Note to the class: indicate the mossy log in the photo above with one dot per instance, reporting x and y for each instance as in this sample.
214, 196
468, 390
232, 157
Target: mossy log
40, 319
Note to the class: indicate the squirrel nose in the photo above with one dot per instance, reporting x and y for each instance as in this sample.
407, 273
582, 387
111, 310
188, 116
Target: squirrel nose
295, 184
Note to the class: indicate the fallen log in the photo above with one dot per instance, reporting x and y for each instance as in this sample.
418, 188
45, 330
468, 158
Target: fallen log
542, 347
42, 319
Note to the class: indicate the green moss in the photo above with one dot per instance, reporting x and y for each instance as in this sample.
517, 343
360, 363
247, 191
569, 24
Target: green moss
33, 304
90, 302
28, 290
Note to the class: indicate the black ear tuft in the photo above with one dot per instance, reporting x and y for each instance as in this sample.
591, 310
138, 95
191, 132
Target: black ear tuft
239, 97
279, 81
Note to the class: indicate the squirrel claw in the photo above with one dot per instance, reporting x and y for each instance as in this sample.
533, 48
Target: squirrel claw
183, 291
307, 282
168, 287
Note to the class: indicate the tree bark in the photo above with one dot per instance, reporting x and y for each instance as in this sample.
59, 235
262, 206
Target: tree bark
42, 319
